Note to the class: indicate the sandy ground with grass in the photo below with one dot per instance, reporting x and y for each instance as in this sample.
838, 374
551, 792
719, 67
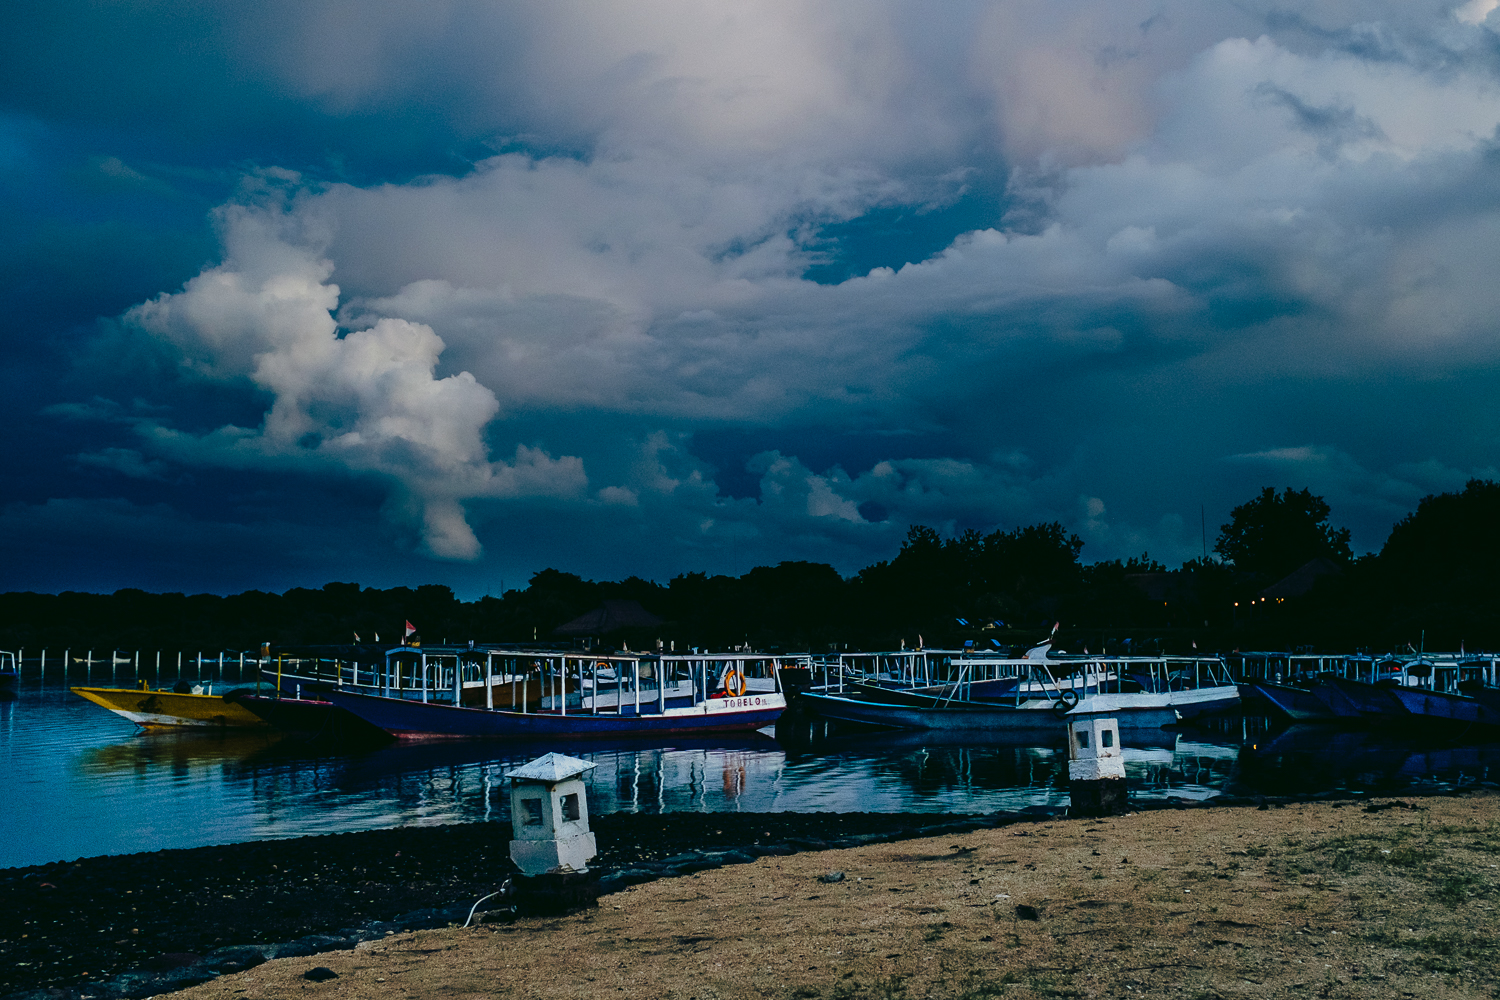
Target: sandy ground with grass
1312, 900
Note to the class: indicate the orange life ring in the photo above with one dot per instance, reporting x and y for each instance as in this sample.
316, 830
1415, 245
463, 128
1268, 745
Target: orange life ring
731, 679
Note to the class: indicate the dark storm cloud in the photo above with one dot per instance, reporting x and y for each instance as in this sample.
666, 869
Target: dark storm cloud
634, 288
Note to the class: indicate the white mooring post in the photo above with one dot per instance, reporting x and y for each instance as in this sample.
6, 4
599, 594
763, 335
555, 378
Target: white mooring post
549, 815
1096, 770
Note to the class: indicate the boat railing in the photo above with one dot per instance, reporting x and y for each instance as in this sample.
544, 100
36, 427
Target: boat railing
949, 674
581, 682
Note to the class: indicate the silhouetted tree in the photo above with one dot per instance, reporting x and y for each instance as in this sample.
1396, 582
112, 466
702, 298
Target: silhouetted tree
1437, 573
1273, 534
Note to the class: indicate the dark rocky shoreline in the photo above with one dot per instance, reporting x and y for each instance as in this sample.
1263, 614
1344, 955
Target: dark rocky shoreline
142, 924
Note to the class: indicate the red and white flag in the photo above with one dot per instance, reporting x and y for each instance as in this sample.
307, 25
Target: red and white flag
410, 628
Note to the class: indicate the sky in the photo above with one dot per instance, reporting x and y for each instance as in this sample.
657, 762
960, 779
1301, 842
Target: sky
451, 291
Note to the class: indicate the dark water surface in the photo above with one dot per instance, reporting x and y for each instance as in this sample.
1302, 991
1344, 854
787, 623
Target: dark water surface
80, 781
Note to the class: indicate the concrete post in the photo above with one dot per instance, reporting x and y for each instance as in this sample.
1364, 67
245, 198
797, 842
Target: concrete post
1096, 770
550, 817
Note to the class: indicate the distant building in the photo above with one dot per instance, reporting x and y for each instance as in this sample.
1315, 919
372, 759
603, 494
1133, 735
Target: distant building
611, 616
1302, 579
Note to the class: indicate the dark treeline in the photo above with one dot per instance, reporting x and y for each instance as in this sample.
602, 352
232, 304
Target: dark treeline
1284, 578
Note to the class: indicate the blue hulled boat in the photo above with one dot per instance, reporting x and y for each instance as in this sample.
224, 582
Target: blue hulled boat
549, 694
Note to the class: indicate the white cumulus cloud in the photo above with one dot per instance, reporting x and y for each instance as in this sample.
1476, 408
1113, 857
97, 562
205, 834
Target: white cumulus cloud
366, 402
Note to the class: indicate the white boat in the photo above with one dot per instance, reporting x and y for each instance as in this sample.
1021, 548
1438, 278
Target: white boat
939, 690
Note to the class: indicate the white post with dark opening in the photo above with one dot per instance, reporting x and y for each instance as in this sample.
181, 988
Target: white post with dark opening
549, 815
1096, 770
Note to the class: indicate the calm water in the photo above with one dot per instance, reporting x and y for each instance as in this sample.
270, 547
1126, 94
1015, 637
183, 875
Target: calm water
80, 781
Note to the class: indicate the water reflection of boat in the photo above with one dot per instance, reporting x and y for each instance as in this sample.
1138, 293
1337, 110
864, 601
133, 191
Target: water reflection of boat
149, 709
180, 750
804, 734
1305, 759
408, 756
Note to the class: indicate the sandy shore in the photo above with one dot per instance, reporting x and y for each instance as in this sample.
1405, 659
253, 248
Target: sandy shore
1326, 900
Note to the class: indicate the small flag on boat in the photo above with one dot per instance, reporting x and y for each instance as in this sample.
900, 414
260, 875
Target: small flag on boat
357, 638
410, 628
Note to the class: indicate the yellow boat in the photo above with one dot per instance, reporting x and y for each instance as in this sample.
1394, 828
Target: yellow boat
151, 709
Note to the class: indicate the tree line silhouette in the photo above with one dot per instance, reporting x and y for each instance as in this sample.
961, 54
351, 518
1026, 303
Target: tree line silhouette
1283, 578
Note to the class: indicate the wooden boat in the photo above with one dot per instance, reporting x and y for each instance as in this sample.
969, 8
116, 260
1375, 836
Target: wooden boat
311, 718
584, 695
160, 708
1358, 700
1296, 703
1034, 719
1447, 707
1156, 690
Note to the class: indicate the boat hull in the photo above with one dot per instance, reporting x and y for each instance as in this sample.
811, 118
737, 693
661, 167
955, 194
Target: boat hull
1295, 703
1357, 700
1042, 722
310, 718
962, 718
416, 720
1193, 702
164, 709
1437, 706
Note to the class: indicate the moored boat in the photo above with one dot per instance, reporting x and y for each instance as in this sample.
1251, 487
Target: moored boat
1358, 700
151, 709
1446, 707
584, 695
1297, 704
1035, 719
312, 718
10, 671
1155, 691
